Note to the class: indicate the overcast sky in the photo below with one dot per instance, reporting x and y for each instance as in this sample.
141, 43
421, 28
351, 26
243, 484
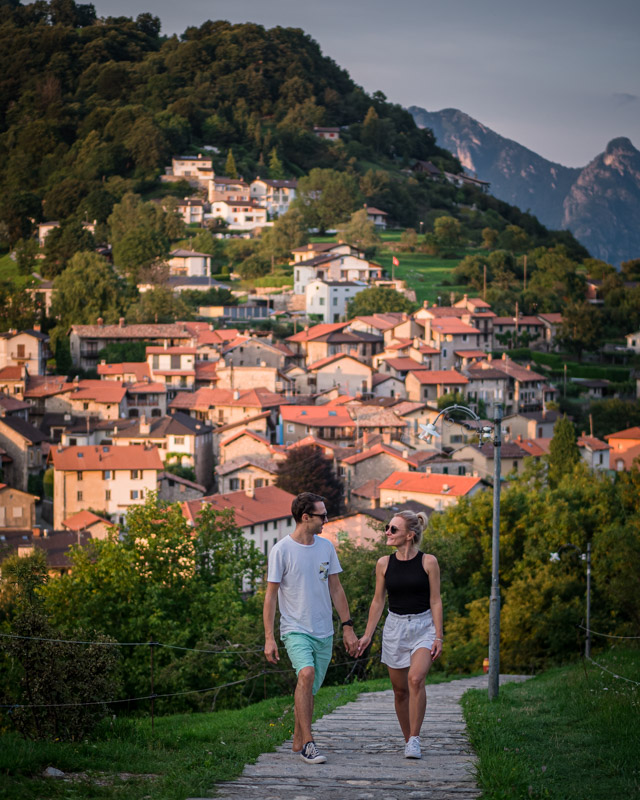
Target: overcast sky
561, 77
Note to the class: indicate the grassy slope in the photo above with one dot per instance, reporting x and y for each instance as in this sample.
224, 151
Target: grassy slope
572, 733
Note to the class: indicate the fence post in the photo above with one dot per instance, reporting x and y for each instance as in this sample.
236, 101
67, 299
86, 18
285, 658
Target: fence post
153, 693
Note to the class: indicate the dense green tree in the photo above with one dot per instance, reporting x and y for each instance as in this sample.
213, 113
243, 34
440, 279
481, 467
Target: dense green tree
581, 328
230, 169
18, 309
276, 170
489, 238
162, 581
159, 304
448, 233
287, 232
378, 300
563, 451
87, 289
325, 198
361, 232
62, 243
306, 468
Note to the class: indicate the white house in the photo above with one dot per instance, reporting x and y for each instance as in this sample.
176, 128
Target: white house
328, 299
189, 263
192, 168
239, 214
275, 195
633, 341
329, 134
332, 267
377, 216
192, 210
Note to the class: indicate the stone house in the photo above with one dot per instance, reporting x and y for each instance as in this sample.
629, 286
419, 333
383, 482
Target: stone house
17, 508
106, 478
26, 450
28, 348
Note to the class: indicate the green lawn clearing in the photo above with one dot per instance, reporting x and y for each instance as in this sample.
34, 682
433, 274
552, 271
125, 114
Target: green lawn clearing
572, 733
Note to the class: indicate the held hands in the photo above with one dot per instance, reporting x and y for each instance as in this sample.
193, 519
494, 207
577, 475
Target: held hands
350, 640
436, 649
364, 642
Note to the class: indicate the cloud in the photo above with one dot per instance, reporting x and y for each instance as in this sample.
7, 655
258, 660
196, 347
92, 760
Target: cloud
625, 99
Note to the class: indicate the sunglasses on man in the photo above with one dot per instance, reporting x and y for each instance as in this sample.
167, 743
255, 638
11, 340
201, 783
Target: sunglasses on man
324, 516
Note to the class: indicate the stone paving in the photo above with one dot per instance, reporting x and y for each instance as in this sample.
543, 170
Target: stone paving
365, 755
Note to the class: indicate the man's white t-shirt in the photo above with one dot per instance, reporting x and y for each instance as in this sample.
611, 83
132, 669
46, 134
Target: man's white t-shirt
303, 570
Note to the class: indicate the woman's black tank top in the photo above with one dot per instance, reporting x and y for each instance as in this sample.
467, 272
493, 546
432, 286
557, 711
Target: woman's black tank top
407, 585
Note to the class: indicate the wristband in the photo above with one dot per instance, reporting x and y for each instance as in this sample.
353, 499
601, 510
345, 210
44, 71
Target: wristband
347, 622
438, 639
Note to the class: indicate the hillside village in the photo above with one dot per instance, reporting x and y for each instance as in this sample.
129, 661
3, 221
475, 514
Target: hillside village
229, 404
270, 359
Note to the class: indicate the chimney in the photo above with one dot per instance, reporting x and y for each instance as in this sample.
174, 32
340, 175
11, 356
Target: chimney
489, 357
386, 437
45, 533
236, 394
36, 327
519, 439
100, 322
405, 453
121, 322
529, 367
445, 487
365, 438
250, 492
145, 426
425, 304
36, 532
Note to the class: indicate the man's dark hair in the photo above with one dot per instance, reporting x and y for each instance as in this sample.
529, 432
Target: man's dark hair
305, 503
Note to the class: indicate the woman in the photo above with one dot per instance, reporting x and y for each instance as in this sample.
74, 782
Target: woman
412, 635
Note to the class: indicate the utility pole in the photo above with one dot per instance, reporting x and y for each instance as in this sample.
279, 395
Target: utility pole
494, 601
484, 282
525, 273
587, 643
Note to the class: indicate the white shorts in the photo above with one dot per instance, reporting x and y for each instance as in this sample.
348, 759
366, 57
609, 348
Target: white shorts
403, 634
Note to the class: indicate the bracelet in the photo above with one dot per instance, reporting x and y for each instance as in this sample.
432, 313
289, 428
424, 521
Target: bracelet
438, 639
347, 622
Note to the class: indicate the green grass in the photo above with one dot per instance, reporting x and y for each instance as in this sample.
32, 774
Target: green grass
429, 276
572, 733
188, 753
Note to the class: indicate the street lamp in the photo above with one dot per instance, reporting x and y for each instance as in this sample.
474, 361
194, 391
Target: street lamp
428, 432
585, 557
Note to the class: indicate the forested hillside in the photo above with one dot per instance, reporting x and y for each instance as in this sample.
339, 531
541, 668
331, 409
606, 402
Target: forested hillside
92, 108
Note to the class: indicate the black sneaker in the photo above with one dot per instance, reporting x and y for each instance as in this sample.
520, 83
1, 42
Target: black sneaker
311, 754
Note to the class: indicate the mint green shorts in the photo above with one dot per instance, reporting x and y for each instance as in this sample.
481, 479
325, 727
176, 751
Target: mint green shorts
307, 651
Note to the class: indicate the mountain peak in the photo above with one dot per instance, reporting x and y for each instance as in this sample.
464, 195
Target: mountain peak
620, 146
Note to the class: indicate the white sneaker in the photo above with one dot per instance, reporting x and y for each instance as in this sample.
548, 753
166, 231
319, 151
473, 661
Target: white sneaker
311, 754
412, 748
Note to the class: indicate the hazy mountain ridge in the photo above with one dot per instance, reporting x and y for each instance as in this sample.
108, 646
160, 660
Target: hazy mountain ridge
599, 203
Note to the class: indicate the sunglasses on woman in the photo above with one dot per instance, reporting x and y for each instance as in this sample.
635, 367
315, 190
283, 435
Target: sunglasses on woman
390, 528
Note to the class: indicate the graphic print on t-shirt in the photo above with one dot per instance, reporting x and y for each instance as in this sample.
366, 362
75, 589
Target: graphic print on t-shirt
324, 570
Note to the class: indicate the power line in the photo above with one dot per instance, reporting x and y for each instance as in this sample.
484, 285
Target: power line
620, 677
607, 635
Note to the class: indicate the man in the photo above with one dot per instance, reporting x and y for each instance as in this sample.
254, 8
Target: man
303, 576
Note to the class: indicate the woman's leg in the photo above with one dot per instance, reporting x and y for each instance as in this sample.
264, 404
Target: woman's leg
417, 701
399, 681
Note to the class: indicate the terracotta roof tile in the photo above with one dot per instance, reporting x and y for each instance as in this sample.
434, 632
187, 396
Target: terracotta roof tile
106, 457
434, 483
439, 376
268, 503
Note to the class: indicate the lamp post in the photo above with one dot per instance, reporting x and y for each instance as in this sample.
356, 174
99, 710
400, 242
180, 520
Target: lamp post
486, 432
585, 557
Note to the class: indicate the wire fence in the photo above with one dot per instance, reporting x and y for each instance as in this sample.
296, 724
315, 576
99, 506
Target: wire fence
152, 696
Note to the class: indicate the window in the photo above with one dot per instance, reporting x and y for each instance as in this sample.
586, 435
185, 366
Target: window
85, 406
107, 494
258, 483
178, 439
175, 362
335, 301
133, 494
106, 475
266, 547
79, 475
79, 496
321, 301
156, 362
290, 428
135, 474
